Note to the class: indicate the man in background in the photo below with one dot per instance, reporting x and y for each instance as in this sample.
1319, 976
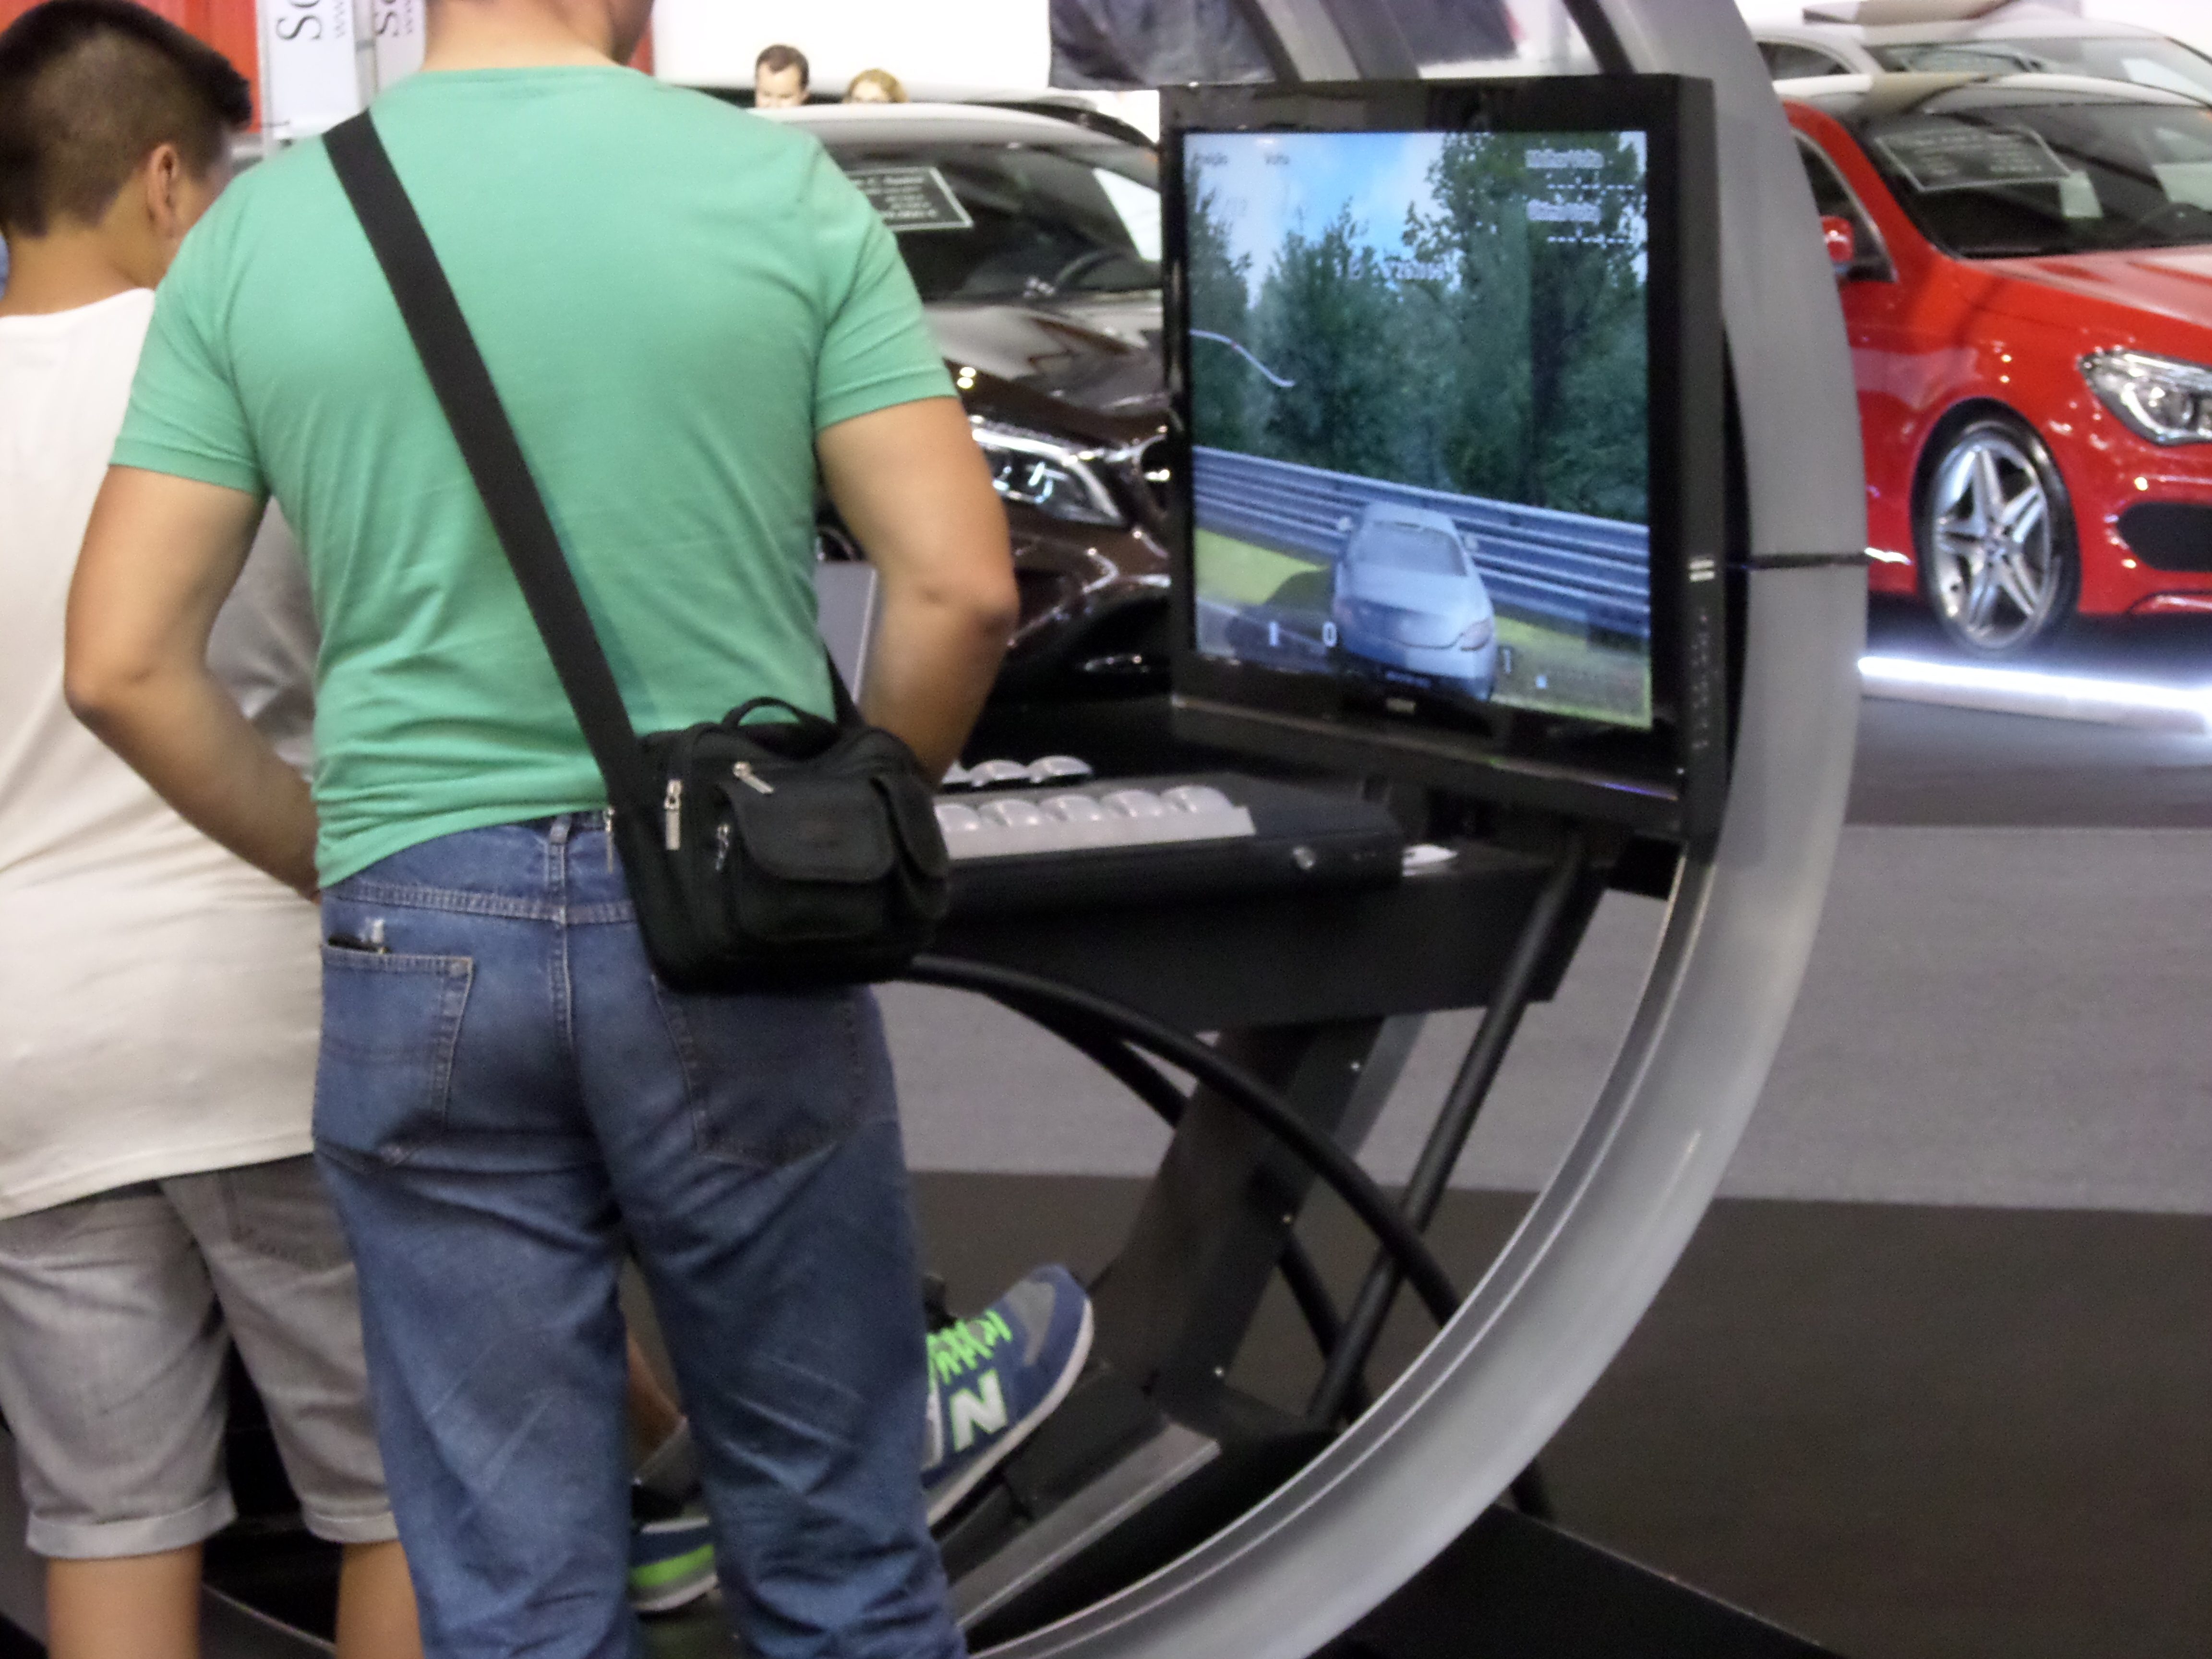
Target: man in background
508, 1098
156, 1200
781, 79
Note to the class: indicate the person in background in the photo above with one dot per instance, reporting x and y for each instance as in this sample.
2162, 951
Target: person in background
156, 1201
875, 86
781, 79
493, 1170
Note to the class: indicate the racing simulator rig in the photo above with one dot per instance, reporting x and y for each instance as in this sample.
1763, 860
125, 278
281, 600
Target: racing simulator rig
1431, 698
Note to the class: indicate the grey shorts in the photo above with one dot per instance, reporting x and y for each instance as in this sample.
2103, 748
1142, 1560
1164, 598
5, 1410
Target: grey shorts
115, 1313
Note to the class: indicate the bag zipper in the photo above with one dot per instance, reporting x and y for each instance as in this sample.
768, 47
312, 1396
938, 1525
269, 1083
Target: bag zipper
672, 816
752, 780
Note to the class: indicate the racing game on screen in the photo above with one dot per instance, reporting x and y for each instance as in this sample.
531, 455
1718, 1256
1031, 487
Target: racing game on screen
1418, 412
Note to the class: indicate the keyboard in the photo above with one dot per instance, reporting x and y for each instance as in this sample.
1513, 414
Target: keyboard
1076, 820
1043, 835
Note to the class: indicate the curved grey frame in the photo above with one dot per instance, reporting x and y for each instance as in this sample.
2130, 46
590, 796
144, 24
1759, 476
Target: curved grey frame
1441, 1445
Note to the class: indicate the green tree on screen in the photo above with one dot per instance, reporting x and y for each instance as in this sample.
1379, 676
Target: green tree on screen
1221, 304
1324, 315
1502, 354
1551, 333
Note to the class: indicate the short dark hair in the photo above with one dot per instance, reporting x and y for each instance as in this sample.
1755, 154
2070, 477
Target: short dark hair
777, 60
89, 88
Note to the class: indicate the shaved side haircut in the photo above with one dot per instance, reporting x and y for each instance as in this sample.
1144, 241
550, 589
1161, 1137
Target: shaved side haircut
89, 88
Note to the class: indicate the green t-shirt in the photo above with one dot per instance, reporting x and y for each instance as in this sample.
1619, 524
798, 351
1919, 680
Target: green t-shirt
674, 297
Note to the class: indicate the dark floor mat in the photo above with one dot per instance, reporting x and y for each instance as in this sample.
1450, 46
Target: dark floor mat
1906, 1432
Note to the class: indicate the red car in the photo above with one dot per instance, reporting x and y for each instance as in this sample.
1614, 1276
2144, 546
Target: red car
2025, 270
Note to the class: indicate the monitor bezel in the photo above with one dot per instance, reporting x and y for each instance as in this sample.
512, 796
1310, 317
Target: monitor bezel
1668, 780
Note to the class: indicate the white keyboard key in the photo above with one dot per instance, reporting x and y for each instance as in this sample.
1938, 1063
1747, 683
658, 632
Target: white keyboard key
1016, 814
1136, 803
1058, 769
954, 819
983, 776
1075, 809
1197, 798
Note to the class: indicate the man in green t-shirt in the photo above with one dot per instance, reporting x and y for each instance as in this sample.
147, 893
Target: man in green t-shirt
693, 319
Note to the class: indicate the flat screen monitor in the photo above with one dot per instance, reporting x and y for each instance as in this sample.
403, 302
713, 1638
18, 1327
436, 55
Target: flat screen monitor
1446, 366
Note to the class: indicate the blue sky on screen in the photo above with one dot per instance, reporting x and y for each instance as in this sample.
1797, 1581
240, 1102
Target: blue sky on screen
1271, 183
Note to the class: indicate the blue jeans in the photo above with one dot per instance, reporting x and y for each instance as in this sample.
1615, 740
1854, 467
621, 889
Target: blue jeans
508, 1102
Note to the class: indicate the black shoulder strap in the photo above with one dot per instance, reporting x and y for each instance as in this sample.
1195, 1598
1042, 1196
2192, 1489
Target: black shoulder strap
495, 457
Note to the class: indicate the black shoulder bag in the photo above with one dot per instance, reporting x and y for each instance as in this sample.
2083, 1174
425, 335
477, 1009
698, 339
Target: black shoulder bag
762, 855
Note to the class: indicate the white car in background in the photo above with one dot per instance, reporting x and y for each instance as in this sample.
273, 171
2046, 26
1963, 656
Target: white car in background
1977, 37
1407, 596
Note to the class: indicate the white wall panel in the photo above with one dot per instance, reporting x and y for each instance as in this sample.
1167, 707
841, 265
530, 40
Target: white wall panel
972, 44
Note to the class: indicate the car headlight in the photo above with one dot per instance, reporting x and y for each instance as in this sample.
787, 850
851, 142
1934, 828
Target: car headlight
2159, 398
1478, 635
1053, 476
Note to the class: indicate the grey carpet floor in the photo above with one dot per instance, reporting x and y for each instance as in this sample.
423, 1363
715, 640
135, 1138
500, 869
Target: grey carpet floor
1993, 1014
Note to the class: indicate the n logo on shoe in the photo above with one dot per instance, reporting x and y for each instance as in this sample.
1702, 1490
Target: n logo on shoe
983, 1408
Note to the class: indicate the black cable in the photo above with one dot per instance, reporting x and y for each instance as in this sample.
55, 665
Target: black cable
1144, 1079
1235, 1086
1424, 1190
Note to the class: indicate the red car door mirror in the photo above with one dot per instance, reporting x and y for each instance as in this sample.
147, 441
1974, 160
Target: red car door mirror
1842, 243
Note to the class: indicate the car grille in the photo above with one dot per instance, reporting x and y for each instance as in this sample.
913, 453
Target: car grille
1414, 627
2170, 535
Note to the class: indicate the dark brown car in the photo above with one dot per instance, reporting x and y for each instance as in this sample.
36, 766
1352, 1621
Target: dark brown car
1035, 242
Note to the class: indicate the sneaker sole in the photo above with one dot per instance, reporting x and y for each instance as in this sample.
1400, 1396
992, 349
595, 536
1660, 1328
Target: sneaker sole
946, 1501
677, 1596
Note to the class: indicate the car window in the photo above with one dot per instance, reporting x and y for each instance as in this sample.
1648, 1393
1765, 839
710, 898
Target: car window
1040, 222
2000, 180
1788, 60
1411, 548
2141, 60
1832, 197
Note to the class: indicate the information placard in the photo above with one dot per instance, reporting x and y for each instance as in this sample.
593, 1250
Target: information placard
911, 199
1950, 156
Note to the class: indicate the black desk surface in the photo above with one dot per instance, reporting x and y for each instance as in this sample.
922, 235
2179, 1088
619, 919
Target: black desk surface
1434, 940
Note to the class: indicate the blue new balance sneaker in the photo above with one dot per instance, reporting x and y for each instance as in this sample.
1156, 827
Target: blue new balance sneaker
993, 1378
672, 1563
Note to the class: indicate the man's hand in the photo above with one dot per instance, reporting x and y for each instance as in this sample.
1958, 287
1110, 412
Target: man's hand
913, 488
161, 556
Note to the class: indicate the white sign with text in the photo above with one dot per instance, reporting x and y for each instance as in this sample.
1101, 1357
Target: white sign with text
396, 27
311, 66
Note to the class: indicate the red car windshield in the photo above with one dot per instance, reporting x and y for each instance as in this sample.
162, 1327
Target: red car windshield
1985, 180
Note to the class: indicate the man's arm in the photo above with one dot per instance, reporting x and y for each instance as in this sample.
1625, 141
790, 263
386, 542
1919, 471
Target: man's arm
914, 489
160, 556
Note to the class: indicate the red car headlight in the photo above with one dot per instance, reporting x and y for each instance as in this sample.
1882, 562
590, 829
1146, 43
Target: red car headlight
2159, 398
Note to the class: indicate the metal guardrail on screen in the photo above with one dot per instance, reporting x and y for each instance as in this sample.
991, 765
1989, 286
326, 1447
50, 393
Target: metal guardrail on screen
1563, 568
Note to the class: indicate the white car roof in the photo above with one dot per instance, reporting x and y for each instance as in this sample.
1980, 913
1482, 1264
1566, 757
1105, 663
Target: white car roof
2015, 22
1825, 90
954, 124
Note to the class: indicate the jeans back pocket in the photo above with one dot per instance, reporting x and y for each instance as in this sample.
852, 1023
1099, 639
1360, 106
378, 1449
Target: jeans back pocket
391, 1024
774, 1078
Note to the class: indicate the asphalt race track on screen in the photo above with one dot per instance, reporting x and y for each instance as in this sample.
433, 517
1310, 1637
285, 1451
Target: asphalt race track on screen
1571, 594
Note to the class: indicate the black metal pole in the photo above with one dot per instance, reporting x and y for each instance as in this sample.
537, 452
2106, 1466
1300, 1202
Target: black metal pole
1448, 1139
